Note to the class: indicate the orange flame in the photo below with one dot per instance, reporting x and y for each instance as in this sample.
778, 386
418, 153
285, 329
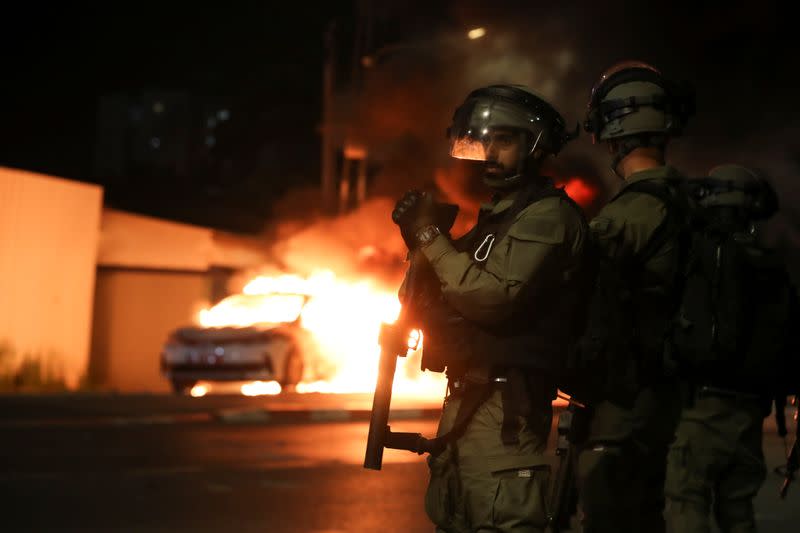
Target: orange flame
344, 320
468, 149
579, 190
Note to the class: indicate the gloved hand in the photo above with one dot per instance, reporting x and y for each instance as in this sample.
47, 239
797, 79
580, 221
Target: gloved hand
412, 212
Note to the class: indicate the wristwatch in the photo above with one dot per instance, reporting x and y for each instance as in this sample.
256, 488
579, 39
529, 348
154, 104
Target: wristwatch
426, 235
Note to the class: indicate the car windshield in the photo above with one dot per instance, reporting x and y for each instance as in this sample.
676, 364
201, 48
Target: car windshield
243, 310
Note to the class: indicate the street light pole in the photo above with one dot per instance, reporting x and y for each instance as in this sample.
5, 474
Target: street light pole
328, 80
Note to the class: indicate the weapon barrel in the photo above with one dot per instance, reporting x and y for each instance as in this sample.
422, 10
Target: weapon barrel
394, 343
381, 402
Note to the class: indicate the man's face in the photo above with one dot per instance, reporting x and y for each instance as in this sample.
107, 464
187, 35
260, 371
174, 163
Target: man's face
502, 153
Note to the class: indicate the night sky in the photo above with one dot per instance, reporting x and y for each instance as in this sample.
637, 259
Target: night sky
265, 62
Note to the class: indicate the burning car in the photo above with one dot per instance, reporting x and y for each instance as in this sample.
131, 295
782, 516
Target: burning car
275, 348
319, 333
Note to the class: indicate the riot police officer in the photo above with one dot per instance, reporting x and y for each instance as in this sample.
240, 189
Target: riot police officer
635, 111
509, 289
717, 457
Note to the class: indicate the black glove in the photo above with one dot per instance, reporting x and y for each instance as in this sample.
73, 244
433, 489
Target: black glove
414, 211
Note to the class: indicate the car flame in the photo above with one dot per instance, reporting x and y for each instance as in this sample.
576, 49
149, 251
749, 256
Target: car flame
343, 318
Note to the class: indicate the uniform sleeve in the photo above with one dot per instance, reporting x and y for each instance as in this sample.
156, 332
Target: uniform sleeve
607, 233
623, 228
487, 295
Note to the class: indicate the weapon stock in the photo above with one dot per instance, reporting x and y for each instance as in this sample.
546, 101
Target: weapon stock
394, 344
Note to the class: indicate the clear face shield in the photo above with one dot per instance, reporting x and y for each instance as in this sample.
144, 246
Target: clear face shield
481, 124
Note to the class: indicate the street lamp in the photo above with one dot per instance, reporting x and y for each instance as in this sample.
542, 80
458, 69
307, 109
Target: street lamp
476, 33
425, 45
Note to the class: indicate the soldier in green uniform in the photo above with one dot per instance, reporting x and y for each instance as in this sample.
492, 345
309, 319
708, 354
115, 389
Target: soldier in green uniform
506, 293
621, 468
717, 456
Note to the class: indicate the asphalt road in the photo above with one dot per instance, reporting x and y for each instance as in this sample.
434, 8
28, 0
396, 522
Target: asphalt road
78, 468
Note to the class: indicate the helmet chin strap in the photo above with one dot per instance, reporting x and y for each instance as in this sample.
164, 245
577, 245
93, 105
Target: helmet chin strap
524, 157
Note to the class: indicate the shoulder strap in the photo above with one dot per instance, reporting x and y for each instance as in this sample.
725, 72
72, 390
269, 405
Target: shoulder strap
528, 196
672, 225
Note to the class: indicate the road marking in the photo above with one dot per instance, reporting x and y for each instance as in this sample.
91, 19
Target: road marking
248, 416
405, 414
329, 415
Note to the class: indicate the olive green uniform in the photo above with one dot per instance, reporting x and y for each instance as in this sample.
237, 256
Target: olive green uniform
621, 469
479, 483
716, 456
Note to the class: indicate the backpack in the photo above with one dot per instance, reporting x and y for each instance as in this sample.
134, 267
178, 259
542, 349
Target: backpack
726, 322
736, 305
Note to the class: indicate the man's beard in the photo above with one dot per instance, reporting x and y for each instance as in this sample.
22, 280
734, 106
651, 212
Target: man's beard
496, 171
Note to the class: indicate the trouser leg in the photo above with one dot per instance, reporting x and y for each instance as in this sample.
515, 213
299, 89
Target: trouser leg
735, 516
607, 489
741, 482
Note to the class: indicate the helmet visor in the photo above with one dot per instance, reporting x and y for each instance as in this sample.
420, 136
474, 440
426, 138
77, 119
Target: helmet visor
477, 122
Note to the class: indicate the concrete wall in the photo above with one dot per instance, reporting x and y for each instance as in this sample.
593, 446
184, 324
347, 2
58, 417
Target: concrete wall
135, 310
56, 327
153, 276
49, 232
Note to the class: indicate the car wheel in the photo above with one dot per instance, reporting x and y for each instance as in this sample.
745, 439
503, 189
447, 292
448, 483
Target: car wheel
293, 370
182, 386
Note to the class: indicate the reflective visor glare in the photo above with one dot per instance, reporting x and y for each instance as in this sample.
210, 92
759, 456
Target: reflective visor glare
468, 148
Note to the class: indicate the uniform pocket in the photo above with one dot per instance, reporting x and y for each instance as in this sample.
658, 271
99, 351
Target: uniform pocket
520, 499
677, 470
691, 472
531, 243
442, 496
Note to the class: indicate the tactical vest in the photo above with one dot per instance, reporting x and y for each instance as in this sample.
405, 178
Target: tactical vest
524, 355
621, 351
537, 335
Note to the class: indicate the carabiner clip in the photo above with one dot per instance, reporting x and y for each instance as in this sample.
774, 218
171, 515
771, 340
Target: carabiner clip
488, 241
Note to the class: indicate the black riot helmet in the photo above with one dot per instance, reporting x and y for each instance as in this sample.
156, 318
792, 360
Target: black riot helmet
540, 127
632, 98
743, 189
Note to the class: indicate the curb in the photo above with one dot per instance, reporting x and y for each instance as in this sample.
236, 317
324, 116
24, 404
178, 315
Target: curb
262, 416
225, 416
117, 421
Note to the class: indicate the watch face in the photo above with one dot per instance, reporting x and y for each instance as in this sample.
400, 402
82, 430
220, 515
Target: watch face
426, 235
